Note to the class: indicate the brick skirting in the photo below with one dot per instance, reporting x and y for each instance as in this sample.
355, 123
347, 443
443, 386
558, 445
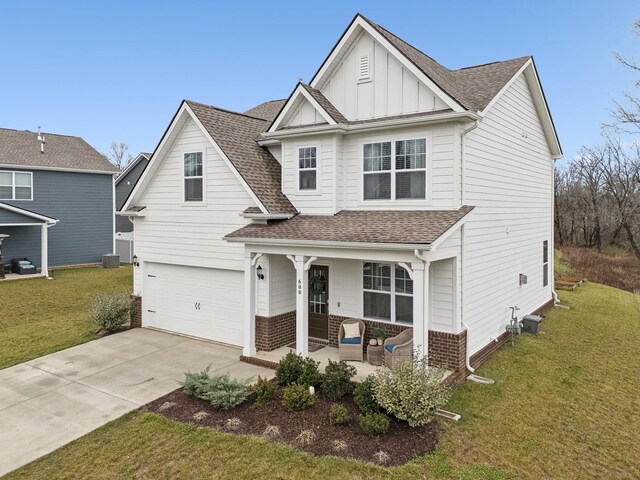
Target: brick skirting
448, 350
136, 311
275, 332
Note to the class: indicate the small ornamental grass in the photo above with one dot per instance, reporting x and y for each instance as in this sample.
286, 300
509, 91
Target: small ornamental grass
297, 397
272, 432
336, 382
220, 391
412, 391
111, 312
338, 415
233, 423
296, 369
306, 437
374, 423
339, 445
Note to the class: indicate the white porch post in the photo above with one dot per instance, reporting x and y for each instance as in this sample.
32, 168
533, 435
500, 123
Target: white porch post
249, 326
44, 253
302, 307
421, 307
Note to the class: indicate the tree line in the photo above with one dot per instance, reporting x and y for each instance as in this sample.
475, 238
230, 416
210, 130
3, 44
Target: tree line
597, 195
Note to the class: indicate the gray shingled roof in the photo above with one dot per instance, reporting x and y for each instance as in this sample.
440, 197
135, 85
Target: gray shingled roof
235, 133
267, 110
21, 147
368, 226
471, 87
325, 103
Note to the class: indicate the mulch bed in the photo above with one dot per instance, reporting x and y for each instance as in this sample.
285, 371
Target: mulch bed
402, 443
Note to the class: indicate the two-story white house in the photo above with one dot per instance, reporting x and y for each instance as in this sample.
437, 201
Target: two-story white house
389, 189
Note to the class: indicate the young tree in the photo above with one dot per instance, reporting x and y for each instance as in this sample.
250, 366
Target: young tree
119, 155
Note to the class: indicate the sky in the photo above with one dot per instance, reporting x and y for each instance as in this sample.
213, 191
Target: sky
118, 70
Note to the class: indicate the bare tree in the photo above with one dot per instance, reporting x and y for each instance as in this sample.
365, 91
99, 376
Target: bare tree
119, 155
626, 115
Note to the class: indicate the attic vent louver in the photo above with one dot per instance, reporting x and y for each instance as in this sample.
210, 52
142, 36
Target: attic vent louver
364, 67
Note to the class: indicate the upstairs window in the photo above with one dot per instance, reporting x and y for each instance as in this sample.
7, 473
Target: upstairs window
16, 185
545, 263
193, 177
307, 168
404, 178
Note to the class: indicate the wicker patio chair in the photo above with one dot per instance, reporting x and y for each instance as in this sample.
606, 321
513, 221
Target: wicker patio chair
351, 348
398, 349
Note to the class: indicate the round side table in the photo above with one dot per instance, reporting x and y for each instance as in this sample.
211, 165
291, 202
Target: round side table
375, 354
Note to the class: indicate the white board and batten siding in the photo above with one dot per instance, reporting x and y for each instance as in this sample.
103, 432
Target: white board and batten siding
188, 238
390, 89
509, 178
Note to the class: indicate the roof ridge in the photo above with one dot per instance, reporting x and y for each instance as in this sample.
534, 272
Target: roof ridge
44, 133
226, 110
491, 63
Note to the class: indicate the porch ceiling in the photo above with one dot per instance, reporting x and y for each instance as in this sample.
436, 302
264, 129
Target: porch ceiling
411, 228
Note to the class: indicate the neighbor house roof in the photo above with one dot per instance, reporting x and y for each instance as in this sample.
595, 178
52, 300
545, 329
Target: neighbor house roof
235, 134
22, 148
404, 227
267, 110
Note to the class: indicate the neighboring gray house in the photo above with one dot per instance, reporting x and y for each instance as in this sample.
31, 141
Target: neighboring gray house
125, 183
56, 199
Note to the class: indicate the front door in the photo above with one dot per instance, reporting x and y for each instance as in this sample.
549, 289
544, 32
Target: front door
319, 302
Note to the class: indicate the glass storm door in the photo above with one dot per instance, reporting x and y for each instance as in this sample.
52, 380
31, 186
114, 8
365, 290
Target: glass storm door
319, 302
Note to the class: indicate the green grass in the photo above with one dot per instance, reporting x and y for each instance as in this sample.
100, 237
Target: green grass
564, 405
42, 316
562, 267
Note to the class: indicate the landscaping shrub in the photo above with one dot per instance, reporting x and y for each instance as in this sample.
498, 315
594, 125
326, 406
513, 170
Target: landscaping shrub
364, 396
111, 312
412, 391
336, 382
264, 391
297, 397
221, 391
338, 415
294, 368
374, 423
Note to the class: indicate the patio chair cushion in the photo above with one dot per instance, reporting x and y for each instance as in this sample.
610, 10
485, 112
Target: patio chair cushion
350, 340
351, 330
389, 347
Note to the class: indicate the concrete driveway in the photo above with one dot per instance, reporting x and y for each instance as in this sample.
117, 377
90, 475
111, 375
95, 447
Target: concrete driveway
50, 401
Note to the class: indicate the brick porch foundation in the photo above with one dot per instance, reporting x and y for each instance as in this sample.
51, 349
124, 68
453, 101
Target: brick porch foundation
275, 332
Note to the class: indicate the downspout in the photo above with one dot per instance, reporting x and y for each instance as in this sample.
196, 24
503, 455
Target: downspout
463, 199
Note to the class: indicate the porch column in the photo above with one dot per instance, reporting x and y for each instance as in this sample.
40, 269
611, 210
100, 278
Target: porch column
249, 322
44, 247
421, 307
302, 307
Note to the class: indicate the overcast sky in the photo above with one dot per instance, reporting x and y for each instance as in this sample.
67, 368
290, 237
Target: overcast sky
118, 70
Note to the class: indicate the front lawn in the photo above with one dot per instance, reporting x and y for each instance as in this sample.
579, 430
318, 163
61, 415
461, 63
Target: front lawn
42, 316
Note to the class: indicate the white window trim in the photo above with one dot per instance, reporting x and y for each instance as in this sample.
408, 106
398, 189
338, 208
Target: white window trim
202, 203
426, 136
315, 192
13, 186
392, 293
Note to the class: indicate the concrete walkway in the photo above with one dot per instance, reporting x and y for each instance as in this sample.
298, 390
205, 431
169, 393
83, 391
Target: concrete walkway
50, 401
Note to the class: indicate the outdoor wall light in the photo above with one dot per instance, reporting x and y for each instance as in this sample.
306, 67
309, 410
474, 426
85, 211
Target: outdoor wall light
259, 272
134, 259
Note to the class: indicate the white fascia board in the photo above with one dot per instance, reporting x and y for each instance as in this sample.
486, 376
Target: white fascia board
129, 167
360, 22
329, 244
56, 169
300, 90
146, 175
438, 241
27, 213
505, 88
267, 216
129, 213
233, 169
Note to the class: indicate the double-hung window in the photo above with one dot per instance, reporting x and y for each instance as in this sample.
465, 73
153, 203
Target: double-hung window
395, 170
193, 177
545, 263
387, 293
307, 168
16, 185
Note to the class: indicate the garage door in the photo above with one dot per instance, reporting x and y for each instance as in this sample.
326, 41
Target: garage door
202, 302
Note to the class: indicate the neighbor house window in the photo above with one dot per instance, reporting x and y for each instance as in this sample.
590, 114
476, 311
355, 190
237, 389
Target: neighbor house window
545, 263
307, 168
387, 292
16, 185
403, 178
193, 178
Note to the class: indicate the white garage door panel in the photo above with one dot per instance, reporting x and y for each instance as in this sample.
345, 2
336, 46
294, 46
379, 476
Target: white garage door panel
203, 302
